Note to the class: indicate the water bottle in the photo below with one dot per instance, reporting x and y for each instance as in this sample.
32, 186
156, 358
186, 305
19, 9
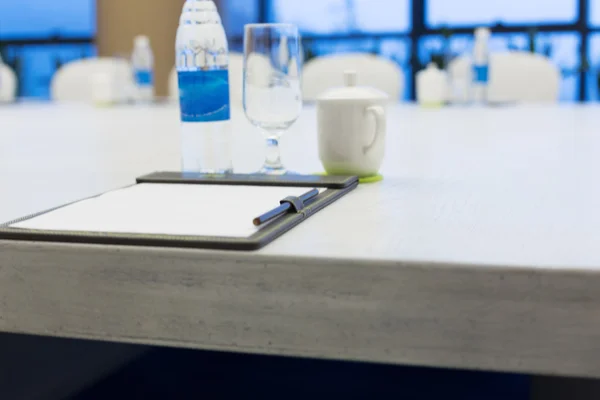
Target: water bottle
481, 59
202, 67
142, 61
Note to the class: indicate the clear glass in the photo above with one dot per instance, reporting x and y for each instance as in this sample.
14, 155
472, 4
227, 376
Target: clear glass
272, 85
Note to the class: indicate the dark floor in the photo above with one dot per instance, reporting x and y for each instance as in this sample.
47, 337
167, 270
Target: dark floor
184, 374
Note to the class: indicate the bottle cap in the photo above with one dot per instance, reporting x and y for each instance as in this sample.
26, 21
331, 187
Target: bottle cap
199, 5
141, 41
199, 12
482, 33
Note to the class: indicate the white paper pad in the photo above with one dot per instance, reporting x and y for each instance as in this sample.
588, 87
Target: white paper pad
169, 209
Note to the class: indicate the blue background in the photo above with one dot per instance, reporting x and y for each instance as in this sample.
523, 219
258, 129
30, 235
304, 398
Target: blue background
332, 25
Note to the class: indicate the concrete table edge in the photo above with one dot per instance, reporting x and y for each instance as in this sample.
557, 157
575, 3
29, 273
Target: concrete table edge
529, 320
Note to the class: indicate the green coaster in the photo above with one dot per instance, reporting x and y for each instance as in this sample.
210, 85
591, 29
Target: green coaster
371, 179
367, 179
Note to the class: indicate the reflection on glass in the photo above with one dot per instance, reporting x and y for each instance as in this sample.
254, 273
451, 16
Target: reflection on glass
507, 12
343, 16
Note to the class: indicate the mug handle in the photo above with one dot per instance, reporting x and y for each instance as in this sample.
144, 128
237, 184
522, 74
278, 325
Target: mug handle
380, 125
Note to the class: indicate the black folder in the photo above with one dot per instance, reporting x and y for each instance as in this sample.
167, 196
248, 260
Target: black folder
336, 187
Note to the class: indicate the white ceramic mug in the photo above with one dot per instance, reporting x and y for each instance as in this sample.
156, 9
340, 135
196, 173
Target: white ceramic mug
352, 129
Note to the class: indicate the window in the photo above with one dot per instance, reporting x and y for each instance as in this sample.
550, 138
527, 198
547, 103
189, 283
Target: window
593, 75
333, 26
338, 18
397, 50
42, 18
594, 12
506, 12
38, 36
561, 48
321, 17
37, 64
237, 14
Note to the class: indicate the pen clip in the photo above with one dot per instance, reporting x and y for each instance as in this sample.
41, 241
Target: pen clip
295, 202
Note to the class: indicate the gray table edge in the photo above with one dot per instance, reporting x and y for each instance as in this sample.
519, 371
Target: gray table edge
530, 320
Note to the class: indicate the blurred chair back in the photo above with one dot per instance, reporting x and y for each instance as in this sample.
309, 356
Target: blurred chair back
8, 84
514, 77
323, 73
75, 81
236, 80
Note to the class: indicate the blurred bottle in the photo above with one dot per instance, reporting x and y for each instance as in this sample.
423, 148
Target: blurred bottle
142, 61
481, 69
202, 67
432, 87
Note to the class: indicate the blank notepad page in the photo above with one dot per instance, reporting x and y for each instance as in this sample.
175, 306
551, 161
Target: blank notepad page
168, 209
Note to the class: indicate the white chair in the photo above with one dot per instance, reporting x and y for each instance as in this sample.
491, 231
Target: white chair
323, 73
514, 77
75, 81
8, 84
236, 80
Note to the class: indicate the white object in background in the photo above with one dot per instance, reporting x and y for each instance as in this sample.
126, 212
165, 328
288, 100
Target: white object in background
323, 73
8, 84
236, 80
351, 128
515, 76
173, 209
73, 82
432, 86
103, 90
481, 65
203, 78
142, 62
460, 76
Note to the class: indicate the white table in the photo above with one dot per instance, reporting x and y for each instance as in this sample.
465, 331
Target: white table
480, 249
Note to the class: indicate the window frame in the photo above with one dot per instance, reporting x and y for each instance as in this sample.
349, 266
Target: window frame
419, 29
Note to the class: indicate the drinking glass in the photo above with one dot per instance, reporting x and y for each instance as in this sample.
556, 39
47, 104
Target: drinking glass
272, 84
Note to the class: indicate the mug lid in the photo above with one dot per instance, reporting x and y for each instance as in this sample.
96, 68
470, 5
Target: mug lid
352, 92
